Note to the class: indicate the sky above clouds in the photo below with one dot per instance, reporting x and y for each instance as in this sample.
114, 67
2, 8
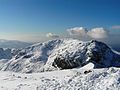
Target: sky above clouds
39, 20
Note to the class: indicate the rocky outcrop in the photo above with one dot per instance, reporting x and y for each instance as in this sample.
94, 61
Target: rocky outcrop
94, 51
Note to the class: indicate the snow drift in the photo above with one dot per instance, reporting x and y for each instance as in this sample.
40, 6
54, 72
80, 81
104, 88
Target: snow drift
62, 54
70, 79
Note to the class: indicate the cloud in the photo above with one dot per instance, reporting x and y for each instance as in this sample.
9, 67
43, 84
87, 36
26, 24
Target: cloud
116, 27
98, 33
79, 31
51, 35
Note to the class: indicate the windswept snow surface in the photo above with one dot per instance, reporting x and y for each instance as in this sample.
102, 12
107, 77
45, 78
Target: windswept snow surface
70, 79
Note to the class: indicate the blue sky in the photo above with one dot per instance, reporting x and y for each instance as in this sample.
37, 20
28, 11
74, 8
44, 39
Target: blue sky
31, 19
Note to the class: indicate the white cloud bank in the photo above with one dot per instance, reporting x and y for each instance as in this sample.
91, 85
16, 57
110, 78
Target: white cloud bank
96, 33
80, 31
51, 35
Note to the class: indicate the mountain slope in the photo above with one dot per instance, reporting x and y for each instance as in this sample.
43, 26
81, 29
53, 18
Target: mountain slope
62, 54
32, 58
6, 54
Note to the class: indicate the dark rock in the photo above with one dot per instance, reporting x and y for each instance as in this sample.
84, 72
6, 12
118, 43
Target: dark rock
86, 72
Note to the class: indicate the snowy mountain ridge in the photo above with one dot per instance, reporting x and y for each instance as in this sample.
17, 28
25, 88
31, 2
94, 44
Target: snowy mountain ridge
13, 44
62, 54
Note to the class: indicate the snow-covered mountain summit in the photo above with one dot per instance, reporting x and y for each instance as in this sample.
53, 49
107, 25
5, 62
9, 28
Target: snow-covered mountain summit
62, 54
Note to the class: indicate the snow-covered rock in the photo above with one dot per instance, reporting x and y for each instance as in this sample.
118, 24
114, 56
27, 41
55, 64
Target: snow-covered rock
6, 54
74, 53
71, 79
62, 54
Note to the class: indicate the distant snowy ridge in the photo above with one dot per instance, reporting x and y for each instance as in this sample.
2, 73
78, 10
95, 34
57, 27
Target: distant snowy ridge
62, 54
13, 44
5, 53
